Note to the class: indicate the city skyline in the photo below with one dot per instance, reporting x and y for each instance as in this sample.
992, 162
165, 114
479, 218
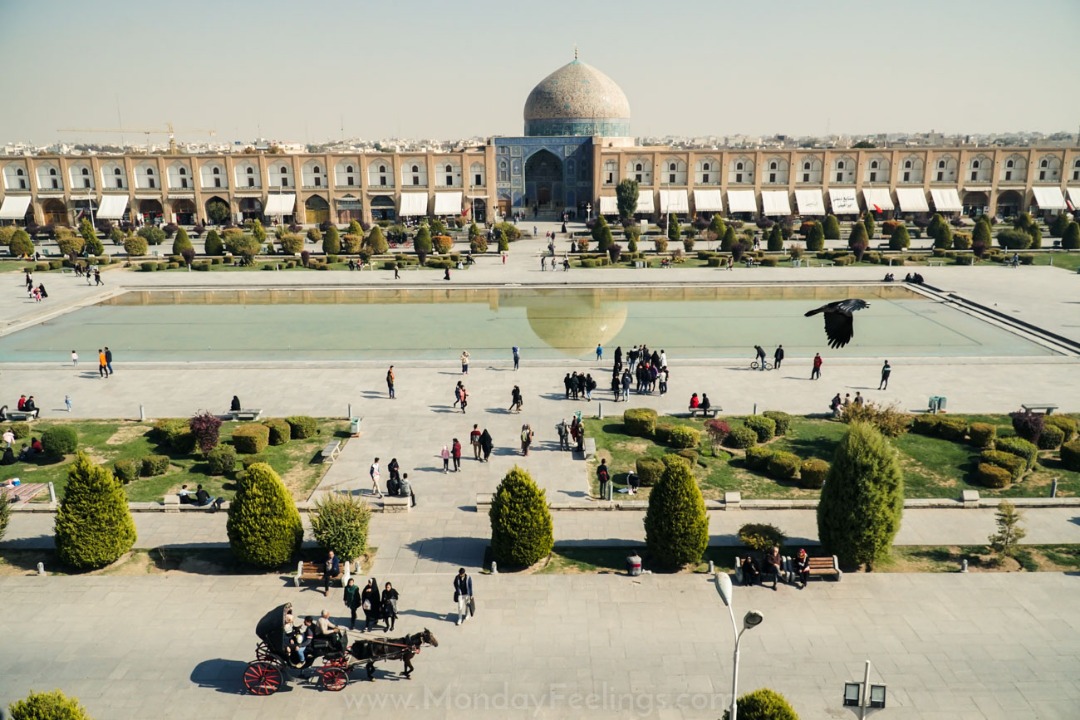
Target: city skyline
432, 70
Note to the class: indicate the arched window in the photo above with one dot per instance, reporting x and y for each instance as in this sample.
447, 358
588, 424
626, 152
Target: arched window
941, 164
974, 164
382, 168
183, 171
806, 166
52, 171
449, 168
637, 168
251, 171
705, 167
671, 167
316, 170
1045, 163
873, 164
840, 165
504, 171
907, 164
773, 165
284, 170
416, 168
115, 172
738, 166
1009, 163
19, 172
217, 171
348, 169
86, 171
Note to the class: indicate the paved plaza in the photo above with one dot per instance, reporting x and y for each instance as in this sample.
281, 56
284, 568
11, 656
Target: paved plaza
947, 645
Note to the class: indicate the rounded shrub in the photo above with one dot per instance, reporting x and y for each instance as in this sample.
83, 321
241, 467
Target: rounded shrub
757, 458
640, 422
521, 528
662, 434
51, 705
251, 438
1070, 455
784, 466
681, 436
174, 434
280, 430
676, 526
761, 537
1019, 447
741, 437
812, 474
926, 424
982, 435
765, 704
1050, 438
1012, 464
20, 430
340, 523
649, 470
60, 440
1028, 425
782, 420
1067, 424
250, 460
127, 471
264, 525
689, 454
302, 426
93, 523
221, 460
993, 476
763, 427
952, 428
154, 465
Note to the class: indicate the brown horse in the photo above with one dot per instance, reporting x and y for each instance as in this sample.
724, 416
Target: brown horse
403, 648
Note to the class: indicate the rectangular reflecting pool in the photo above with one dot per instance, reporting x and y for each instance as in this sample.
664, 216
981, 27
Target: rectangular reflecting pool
436, 324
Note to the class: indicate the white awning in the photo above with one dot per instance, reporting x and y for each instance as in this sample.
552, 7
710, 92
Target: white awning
912, 200
413, 204
14, 207
645, 204
609, 205
946, 200
1049, 198
741, 201
708, 201
280, 204
112, 207
776, 202
1074, 198
810, 202
877, 199
448, 203
844, 201
674, 201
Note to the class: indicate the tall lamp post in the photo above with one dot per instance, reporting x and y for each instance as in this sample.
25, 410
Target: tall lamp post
588, 212
751, 620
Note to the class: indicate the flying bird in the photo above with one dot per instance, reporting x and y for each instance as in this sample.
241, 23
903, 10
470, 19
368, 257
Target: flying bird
839, 325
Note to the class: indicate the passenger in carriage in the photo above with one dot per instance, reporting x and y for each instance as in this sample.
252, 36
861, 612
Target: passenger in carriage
301, 641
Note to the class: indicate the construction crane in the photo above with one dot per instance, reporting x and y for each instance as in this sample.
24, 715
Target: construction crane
170, 131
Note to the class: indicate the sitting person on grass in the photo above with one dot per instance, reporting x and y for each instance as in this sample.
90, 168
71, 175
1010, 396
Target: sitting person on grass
203, 499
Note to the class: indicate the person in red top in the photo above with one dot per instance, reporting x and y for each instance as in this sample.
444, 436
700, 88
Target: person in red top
455, 452
816, 373
694, 402
22, 402
474, 438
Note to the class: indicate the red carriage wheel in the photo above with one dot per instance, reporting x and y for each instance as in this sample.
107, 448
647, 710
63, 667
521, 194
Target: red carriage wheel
262, 678
336, 662
334, 679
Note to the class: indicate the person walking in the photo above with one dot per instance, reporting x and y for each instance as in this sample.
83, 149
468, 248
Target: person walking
464, 362
778, 356
103, 369
526, 438
373, 471
463, 594
464, 399
517, 357
604, 478
515, 399
455, 455
445, 455
67, 402
459, 390
474, 440
108, 359
886, 370
351, 598
599, 352
371, 604
815, 374
74, 358
564, 434
390, 382
487, 443
389, 607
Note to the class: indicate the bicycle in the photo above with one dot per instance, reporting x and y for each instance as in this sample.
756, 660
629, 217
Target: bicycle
755, 365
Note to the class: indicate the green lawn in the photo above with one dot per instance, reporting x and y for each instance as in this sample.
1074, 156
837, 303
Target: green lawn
933, 468
108, 441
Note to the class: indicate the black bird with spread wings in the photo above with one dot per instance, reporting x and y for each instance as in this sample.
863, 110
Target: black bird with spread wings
839, 325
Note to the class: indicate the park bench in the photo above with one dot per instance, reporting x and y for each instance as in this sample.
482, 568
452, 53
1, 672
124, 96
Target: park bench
313, 572
24, 492
589, 447
1046, 409
783, 577
330, 452
21, 415
711, 412
819, 566
251, 414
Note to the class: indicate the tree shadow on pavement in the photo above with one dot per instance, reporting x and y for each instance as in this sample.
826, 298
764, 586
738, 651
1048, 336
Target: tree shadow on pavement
453, 551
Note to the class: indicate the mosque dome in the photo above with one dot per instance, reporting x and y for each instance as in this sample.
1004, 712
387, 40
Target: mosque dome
577, 99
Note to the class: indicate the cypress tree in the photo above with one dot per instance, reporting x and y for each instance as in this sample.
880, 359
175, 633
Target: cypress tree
626, 194
331, 242
264, 525
863, 499
214, 244
776, 239
93, 524
676, 526
601, 233
1070, 239
181, 242
1061, 223
831, 227
717, 228
900, 239
376, 243
816, 239
422, 242
868, 223
858, 236
521, 528
673, 229
729, 239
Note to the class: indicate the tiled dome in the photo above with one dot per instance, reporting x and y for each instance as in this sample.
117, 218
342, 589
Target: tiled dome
577, 99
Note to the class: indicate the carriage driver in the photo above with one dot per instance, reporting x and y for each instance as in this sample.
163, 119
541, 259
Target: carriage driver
325, 627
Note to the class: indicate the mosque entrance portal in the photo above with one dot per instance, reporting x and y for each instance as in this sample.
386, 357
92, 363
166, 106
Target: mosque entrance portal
544, 180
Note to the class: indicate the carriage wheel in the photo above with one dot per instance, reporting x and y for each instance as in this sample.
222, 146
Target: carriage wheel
334, 679
262, 678
263, 652
336, 662
370, 667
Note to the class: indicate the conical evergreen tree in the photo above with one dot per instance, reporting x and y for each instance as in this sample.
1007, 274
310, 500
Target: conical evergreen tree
676, 526
521, 527
729, 239
776, 239
815, 239
601, 233
264, 525
93, 524
831, 227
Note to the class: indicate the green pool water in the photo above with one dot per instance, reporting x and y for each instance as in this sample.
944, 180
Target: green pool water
543, 323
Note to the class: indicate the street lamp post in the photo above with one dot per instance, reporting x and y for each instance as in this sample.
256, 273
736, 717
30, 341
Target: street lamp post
751, 620
588, 212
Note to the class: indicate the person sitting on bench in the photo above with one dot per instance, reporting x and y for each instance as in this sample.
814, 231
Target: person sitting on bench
203, 499
234, 406
31, 407
772, 565
750, 572
705, 404
185, 496
802, 567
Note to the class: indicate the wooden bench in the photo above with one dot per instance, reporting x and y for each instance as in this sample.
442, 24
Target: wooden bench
24, 492
22, 415
589, 447
711, 412
330, 452
1047, 409
252, 414
819, 566
313, 572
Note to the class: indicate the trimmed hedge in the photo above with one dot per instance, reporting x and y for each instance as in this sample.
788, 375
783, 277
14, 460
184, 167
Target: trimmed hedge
926, 424
1050, 438
280, 430
174, 434
1019, 447
662, 434
784, 466
741, 437
761, 537
1066, 424
812, 474
127, 471
1014, 464
757, 458
302, 426
782, 420
221, 460
952, 428
982, 435
154, 465
251, 438
1070, 455
640, 422
763, 427
20, 430
649, 470
992, 476
680, 436
59, 441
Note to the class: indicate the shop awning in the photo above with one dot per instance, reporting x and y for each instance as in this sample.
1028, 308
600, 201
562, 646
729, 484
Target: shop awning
645, 204
776, 202
810, 202
280, 204
14, 207
674, 201
912, 200
413, 204
946, 200
708, 201
112, 207
609, 205
741, 201
877, 199
1049, 198
1074, 198
844, 201
448, 203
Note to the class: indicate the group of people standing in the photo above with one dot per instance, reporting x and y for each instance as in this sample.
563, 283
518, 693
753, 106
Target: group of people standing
377, 606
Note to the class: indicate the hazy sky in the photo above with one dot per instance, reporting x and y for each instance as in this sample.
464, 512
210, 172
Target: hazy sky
300, 71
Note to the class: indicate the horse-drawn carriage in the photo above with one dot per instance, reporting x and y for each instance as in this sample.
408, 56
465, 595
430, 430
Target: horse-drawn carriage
274, 657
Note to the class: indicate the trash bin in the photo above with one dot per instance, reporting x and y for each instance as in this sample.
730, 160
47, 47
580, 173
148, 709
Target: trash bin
633, 565
937, 403
941, 403
354, 426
